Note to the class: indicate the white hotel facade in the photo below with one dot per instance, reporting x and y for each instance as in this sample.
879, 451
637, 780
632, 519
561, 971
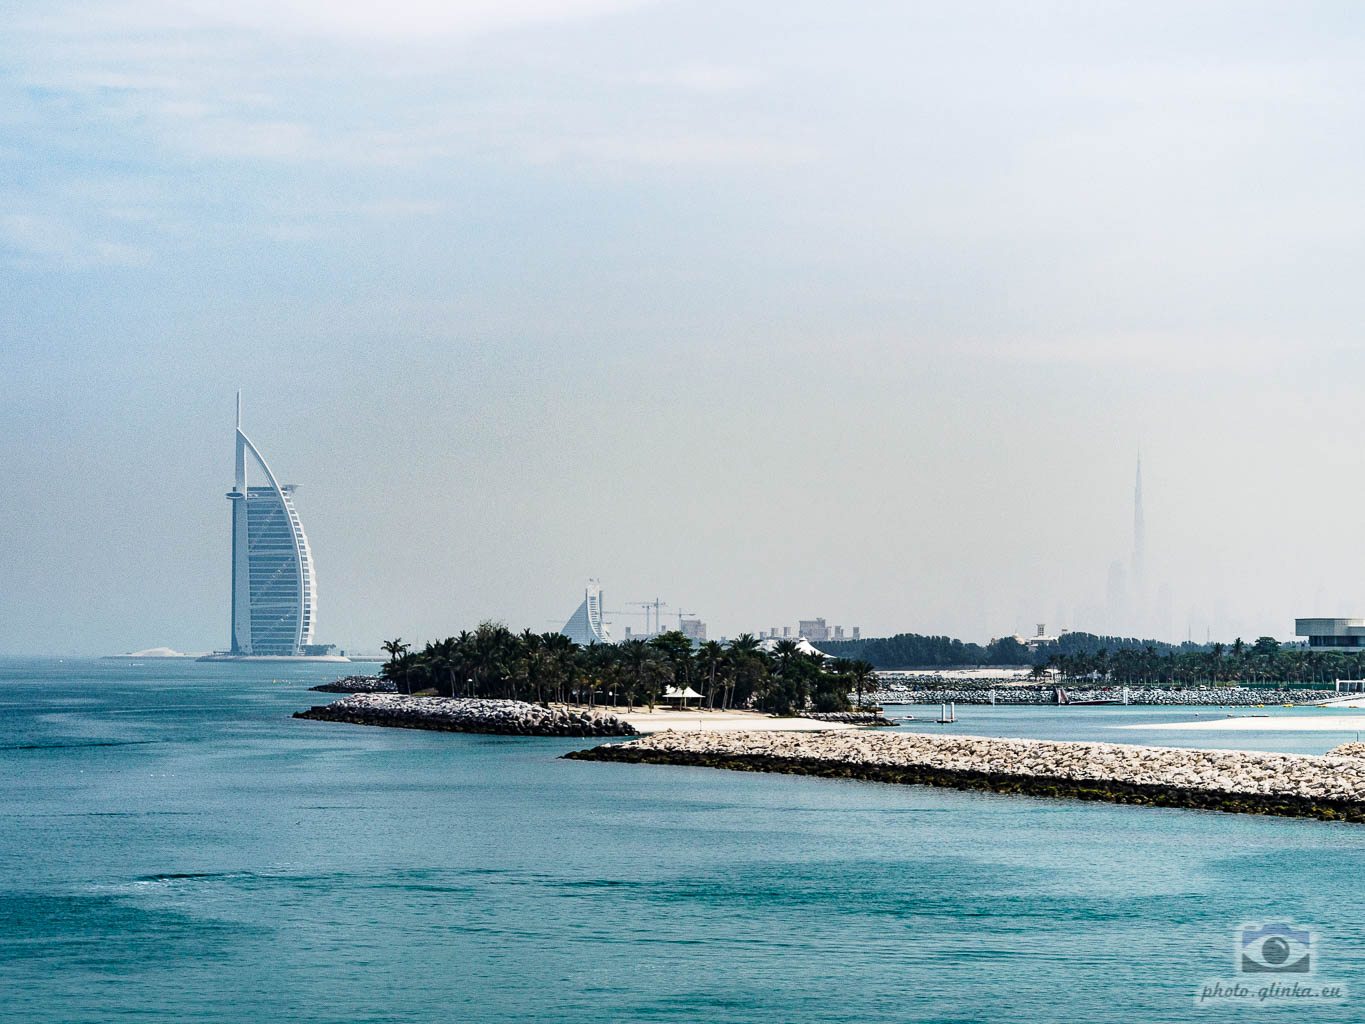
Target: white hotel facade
274, 588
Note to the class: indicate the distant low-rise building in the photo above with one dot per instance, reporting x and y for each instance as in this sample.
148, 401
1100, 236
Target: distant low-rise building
693, 629
814, 630
1040, 638
1340, 633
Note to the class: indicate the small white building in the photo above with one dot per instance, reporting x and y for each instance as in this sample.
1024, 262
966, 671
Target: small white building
1039, 638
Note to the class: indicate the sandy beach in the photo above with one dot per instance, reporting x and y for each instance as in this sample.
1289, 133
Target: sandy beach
724, 721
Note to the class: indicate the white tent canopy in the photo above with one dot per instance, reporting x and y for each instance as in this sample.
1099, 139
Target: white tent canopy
803, 645
686, 693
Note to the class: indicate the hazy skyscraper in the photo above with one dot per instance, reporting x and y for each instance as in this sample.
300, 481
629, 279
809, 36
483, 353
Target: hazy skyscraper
1118, 614
274, 590
1139, 538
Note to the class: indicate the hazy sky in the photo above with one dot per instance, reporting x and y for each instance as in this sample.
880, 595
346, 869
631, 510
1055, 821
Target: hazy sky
769, 310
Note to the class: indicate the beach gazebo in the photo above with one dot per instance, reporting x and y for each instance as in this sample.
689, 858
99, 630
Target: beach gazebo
681, 696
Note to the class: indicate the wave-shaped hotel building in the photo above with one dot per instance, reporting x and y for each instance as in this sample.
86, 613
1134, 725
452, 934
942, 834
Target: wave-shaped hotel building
274, 587
586, 625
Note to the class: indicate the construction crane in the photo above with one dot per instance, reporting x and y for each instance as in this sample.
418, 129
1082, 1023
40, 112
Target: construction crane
644, 605
621, 611
657, 605
658, 622
681, 613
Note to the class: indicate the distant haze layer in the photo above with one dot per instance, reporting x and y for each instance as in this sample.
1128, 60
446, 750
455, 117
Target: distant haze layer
772, 313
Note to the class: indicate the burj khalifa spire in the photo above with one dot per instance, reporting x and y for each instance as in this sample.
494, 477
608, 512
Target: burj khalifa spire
1139, 536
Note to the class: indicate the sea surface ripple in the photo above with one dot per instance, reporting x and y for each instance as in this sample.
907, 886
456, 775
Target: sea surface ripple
174, 847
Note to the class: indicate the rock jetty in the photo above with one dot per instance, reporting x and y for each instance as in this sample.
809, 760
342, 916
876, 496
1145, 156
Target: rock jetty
849, 717
447, 714
358, 684
1162, 696
1293, 785
1348, 750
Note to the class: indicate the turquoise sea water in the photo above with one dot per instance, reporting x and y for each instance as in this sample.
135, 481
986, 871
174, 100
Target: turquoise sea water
174, 847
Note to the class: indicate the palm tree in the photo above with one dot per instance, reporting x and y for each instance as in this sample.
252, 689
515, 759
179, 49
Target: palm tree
677, 649
531, 662
446, 663
396, 649
1216, 662
863, 676
637, 656
561, 652
748, 666
492, 648
711, 656
745, 643
785, 651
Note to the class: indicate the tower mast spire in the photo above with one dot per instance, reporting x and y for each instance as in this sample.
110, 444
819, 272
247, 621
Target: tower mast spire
1139, 527
240, 479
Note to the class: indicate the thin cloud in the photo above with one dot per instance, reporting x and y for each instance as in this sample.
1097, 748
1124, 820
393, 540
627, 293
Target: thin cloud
29, 238
353, 20
682, 149
705, 79
1174, 351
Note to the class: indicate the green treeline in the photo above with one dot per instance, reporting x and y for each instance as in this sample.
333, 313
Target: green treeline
494, 662
1115, 659
911, 650
1264, 662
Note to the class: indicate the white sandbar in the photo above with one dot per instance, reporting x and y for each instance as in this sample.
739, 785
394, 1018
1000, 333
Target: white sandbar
1272, 723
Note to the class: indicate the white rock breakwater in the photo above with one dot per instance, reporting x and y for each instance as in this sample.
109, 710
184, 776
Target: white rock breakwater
447, 714
1161, 696
358, 684
1330, 787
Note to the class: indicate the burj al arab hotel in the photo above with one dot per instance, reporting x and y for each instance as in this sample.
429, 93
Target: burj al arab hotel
274, 588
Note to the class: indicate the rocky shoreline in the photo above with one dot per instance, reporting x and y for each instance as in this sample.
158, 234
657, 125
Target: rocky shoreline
357, 684
452, 714
1329, 787
1161, 696
849, 717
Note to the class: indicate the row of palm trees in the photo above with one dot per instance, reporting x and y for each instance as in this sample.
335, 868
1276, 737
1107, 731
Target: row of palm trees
493, 662
1265, 662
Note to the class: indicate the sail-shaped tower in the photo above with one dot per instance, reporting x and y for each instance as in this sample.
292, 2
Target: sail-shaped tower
274, 589
585, 626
